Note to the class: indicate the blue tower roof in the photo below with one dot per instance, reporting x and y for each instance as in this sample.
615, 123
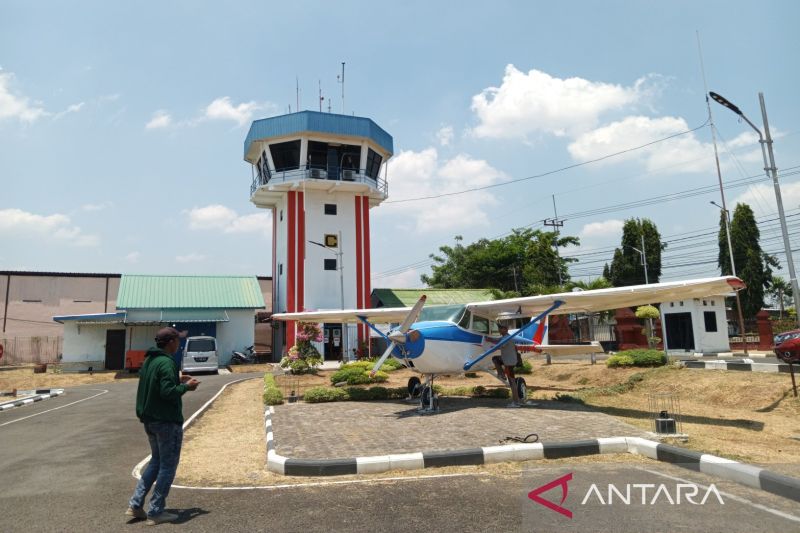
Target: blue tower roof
315, 121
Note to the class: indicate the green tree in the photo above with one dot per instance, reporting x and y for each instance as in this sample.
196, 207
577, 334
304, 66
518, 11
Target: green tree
626, 266
753, 266
780, 291
525, 262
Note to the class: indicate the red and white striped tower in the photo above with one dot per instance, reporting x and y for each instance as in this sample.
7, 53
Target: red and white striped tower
319, 173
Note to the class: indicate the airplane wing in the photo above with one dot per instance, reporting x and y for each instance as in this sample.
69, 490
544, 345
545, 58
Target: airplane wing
603, 299
380, 315
558, 350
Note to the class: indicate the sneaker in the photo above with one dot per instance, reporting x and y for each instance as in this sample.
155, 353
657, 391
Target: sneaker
161, 518
136, 512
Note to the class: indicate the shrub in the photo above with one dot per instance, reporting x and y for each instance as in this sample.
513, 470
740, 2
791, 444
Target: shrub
358, 394
639, 357
357, 375
272, 394
325, 394
525, 368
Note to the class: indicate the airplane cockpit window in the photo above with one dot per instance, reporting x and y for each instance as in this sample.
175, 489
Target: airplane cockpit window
494, 330
450, 313
464, 322
480, 324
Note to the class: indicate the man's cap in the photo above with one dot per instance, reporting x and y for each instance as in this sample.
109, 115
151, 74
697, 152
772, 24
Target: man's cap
165, 335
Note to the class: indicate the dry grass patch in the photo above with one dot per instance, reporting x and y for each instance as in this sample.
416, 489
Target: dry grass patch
24, 378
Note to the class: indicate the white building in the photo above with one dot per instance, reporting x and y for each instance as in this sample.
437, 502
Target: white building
219, 306
697, 325
320, 174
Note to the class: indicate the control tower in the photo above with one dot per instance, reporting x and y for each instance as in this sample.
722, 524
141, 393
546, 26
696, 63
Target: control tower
319, 174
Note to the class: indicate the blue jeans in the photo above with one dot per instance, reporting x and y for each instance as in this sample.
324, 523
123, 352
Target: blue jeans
165, 449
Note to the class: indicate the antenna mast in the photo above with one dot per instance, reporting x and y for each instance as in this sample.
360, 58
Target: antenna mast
340, 79
321, 98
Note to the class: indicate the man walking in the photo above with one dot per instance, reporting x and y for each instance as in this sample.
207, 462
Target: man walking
505, 363
159, 407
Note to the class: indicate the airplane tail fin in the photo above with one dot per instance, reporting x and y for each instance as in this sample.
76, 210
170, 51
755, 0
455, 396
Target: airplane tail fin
536, 335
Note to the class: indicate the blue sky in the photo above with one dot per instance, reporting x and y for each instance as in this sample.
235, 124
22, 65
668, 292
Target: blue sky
122, 124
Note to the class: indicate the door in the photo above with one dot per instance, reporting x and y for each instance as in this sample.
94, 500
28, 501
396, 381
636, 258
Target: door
680, 335
332, 338
115, 349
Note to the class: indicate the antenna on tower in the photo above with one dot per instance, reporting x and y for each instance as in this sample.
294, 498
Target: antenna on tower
321, 98
340, 79
329, 105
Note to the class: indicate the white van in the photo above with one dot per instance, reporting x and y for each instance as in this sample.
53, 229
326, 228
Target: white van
200, 355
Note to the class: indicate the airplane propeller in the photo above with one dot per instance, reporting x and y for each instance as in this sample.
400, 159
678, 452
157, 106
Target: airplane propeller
398, 336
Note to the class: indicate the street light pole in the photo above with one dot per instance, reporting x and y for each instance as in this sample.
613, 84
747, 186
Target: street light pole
643, 253
740, 316
772, 172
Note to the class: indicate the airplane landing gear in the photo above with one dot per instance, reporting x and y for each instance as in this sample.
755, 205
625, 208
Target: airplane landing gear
429, 400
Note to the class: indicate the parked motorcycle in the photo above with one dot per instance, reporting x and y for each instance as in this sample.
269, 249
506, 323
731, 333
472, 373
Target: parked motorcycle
247, 357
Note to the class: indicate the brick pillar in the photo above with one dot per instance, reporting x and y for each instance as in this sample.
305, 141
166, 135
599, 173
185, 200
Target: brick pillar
764, 330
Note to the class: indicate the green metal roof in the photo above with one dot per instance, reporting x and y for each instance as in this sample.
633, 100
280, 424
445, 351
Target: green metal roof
408, 297
189, 292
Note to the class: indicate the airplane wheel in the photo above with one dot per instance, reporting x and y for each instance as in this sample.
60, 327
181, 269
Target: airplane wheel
414, 385
522, 389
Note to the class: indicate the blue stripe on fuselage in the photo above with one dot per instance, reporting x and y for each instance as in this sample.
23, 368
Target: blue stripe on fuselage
446, 331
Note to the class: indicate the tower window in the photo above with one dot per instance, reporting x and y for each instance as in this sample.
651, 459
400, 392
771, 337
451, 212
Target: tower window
330, 264
710, 318
286, 156
330, 209
373, 163
332, 241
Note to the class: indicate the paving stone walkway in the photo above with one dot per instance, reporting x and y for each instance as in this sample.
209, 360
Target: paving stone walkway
357, 429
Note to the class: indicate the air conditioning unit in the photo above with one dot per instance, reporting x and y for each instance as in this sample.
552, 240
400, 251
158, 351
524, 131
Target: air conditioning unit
316, 173
348, 175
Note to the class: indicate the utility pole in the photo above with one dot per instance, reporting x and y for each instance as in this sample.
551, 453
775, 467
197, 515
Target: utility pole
555, 223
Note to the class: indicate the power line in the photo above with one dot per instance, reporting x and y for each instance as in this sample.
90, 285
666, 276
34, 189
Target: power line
548, 173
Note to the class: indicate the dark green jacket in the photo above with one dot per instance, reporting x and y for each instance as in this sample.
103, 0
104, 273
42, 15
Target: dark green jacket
158, 398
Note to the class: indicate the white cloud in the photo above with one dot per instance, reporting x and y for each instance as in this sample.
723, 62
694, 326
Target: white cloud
56, 227
15, 105
602, 229
761, 198
539, 103
418, 174
445, 135
133, 257
225, 219
161, 119
223, 109
190, 258
74, 108
97, 207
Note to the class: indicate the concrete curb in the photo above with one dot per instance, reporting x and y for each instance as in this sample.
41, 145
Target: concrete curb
40, 395
744, 474
745, 367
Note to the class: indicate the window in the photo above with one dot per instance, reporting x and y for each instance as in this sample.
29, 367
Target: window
280, 269
330, 264
201, 345
286, 156
480, 324
332, 241
317, 155
464, 322
264, 165
374, 161
711, 320
281, 215
330, 209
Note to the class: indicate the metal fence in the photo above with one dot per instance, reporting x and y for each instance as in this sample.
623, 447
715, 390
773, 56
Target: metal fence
27, 350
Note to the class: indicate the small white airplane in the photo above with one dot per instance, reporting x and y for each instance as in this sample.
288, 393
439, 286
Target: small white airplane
452, 339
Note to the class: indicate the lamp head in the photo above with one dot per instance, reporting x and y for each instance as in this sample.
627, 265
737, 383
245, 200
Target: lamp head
721, 100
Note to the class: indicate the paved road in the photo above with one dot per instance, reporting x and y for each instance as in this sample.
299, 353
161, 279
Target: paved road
69, 469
